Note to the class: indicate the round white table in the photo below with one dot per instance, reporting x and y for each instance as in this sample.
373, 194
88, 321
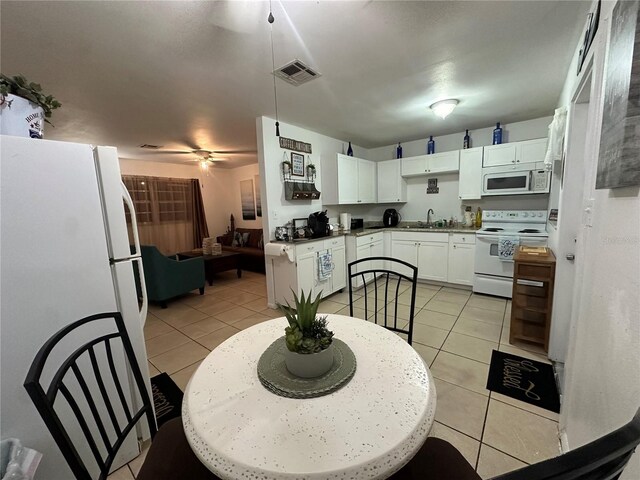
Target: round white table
368, 429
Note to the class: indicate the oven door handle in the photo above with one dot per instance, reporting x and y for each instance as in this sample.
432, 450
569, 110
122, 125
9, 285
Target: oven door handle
485, 236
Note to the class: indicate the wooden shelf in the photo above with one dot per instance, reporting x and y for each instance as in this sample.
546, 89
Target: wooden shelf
531, 307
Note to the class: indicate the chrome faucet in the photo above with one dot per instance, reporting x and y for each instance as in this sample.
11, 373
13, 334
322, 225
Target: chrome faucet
429, 212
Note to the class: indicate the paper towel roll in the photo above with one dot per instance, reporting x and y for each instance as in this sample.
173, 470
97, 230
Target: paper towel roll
345, 221
278, 249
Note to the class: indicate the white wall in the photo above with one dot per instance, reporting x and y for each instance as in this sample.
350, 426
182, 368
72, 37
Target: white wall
276, 210
602, 372
220, 189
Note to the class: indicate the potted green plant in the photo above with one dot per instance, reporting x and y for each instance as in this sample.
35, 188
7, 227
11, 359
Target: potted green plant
309, 342
24, 107
311, 170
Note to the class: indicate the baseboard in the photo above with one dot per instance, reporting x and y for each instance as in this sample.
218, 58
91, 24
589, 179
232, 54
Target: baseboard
564, 441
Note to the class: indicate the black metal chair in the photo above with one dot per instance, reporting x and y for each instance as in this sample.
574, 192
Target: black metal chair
602, 459
382, 278
80, 386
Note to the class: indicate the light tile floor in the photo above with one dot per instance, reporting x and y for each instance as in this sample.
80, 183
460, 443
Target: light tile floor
454, 332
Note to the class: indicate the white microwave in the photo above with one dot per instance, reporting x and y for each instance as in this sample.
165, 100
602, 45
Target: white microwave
527, 179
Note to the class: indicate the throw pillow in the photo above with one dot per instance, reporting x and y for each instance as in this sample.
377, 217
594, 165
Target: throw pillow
237, 240
245, 239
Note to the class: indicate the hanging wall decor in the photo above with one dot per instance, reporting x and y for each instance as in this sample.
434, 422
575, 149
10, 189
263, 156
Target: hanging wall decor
246, 200
618, 164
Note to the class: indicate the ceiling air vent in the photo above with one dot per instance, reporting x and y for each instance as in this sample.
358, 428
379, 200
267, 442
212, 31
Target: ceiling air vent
296, 73
150, 147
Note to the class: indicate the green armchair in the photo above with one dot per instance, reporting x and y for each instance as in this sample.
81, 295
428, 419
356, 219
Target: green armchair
167, 278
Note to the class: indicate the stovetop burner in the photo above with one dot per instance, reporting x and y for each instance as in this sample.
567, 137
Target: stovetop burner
493, 229
529, 230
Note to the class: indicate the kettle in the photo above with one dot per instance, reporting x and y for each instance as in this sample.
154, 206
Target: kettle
391, 217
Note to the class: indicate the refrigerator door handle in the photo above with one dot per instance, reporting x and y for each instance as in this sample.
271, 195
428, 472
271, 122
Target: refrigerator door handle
143, 289
134, 222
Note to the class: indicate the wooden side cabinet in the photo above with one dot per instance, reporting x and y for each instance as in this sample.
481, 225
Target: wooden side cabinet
532, 299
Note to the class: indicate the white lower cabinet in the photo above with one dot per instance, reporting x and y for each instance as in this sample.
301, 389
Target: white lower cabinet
461, 257
361, 247
302, 274
427, 251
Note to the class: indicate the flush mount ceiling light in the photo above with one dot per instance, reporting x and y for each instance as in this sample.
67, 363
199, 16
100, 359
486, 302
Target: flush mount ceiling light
444, 107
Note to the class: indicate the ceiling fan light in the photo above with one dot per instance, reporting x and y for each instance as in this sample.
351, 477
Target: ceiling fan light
443, 108
204, 165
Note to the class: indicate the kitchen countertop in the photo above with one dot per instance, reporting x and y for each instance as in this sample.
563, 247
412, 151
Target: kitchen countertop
368, 231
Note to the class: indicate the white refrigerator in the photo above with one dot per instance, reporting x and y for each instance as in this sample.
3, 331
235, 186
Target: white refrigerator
65, 254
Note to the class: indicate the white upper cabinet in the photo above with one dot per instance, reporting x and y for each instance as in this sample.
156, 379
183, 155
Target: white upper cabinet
470, 182
446, 162
529, 151
391, 186
348, 180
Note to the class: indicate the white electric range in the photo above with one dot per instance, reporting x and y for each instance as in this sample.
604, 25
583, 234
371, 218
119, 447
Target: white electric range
493, 275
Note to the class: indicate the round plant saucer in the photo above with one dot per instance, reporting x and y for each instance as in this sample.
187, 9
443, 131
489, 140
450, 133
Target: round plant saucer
275, 377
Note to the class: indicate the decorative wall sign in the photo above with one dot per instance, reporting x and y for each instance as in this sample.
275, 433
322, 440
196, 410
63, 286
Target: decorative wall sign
432, 186
618, 164
297, 164
296, 145
246, 199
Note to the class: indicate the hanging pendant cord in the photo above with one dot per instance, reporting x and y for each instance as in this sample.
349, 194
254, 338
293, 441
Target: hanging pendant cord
271, 19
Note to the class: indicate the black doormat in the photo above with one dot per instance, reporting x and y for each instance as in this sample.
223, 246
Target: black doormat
167, 398
523, 379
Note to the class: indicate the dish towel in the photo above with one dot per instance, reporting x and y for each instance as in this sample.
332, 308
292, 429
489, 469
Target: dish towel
507, 247
325, 265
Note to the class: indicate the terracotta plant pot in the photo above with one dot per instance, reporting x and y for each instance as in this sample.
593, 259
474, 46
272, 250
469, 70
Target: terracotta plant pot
20, 118
309, 365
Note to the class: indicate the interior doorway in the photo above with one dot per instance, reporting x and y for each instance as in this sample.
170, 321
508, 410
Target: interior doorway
571, 176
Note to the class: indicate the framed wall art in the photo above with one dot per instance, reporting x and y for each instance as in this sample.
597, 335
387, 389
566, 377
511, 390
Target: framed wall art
297, 164
619, 159
247, 200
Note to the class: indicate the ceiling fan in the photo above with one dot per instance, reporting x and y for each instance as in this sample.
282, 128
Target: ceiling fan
200, 154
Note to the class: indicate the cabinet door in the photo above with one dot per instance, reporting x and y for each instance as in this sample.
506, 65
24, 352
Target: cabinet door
366, 181
406, 250
433, 261
444, 162
306, 270
376, 249
413, 166
347, 179
531, 151
470, 182
391, 186
363, 251
461, 257
496, 155
339, 276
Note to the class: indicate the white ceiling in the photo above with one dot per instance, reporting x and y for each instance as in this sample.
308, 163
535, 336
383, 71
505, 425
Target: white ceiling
196, 74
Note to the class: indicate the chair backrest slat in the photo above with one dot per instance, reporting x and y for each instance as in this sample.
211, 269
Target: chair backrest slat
116, 378
92, 405
98, 403
103, 391
381, 278
83, 425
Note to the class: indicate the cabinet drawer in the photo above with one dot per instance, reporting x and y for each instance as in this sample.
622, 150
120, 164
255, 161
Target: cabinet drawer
309, 247
369, 238
333, 243
538, 272
421, 236
468, 238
